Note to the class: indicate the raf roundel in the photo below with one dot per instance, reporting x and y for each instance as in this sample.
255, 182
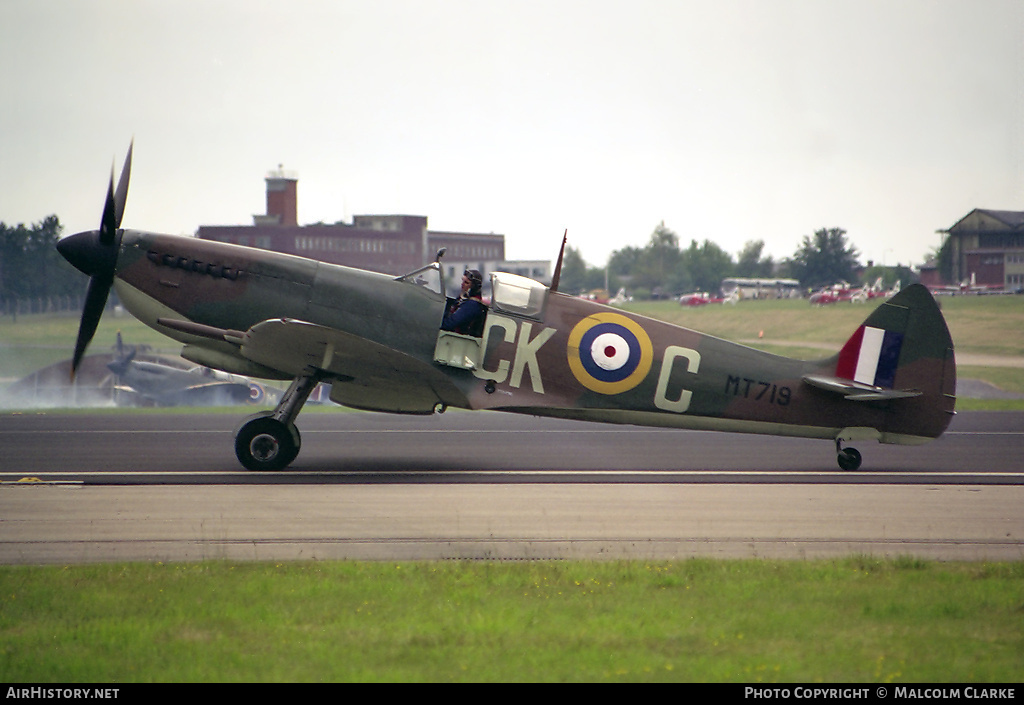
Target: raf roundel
609, 353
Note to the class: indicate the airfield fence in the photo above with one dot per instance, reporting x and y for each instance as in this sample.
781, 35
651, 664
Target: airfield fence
68, 304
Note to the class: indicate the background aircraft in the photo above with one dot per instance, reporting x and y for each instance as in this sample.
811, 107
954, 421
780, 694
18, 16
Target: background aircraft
376, 339
134, 377
841, 291
968, 286
158, 381
702, 298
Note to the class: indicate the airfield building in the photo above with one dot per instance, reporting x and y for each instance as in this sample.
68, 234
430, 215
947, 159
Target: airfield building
390, 244
988, 249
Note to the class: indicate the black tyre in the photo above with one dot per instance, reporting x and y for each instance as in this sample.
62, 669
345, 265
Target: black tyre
849, 459
265, 444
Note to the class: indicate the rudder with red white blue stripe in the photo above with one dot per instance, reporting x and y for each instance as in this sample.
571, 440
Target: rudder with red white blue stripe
871, 356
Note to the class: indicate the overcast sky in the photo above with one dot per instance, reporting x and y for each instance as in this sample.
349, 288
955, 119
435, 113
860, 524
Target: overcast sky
729, 120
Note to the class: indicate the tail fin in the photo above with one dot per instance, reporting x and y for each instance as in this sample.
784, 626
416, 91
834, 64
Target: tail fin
904, 344
901, 353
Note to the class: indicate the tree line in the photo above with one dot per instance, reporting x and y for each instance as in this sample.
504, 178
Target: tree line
663, 268
31, 267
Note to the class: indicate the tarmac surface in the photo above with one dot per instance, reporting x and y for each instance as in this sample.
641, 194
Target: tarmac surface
488, 486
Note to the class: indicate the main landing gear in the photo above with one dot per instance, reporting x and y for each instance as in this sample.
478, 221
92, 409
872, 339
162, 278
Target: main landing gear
848, 458
270, 440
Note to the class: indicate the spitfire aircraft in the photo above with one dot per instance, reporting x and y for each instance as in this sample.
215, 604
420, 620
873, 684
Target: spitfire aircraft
378, 341
158, 381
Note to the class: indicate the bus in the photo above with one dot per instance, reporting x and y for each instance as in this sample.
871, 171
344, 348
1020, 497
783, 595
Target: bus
762, 288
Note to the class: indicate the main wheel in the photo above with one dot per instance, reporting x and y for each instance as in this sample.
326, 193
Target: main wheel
849, 459
266, 444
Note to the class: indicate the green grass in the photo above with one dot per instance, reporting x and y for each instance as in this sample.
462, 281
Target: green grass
992, 325
980, 325
989, 325
853, 620
970, 404
33, 342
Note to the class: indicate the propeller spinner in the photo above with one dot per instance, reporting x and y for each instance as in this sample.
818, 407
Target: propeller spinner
94, 252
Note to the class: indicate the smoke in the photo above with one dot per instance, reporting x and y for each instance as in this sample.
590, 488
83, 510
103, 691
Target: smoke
143, 381
51, 387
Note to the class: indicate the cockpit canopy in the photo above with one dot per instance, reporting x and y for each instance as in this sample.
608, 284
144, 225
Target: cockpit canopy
517, 295
428, 276
511, 293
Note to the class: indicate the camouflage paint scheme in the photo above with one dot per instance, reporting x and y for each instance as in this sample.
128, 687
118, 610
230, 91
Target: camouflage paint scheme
377, 341
277, 316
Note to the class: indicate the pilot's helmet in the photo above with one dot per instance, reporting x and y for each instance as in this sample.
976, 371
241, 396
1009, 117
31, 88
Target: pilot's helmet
476, 281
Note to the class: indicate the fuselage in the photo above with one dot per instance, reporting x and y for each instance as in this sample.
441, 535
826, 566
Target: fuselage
558, 356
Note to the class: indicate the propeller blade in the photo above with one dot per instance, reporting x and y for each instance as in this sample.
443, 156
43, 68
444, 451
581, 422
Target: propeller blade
121, 195
113, 209
95, 301
95, 254
108, 222
119, 366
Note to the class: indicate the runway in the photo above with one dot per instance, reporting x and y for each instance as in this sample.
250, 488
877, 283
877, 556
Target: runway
101, 487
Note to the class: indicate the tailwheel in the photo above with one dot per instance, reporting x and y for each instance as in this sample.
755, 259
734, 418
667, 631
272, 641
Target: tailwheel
849, 459
266, 444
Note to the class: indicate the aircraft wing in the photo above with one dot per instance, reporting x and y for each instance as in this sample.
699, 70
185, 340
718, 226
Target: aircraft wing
213, 393
294, 346
366, 375
857, 391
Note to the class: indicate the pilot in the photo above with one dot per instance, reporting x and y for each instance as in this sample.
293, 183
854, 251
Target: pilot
466, 314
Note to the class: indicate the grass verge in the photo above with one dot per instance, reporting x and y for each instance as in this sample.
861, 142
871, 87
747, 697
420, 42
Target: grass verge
982, 325
859, 619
